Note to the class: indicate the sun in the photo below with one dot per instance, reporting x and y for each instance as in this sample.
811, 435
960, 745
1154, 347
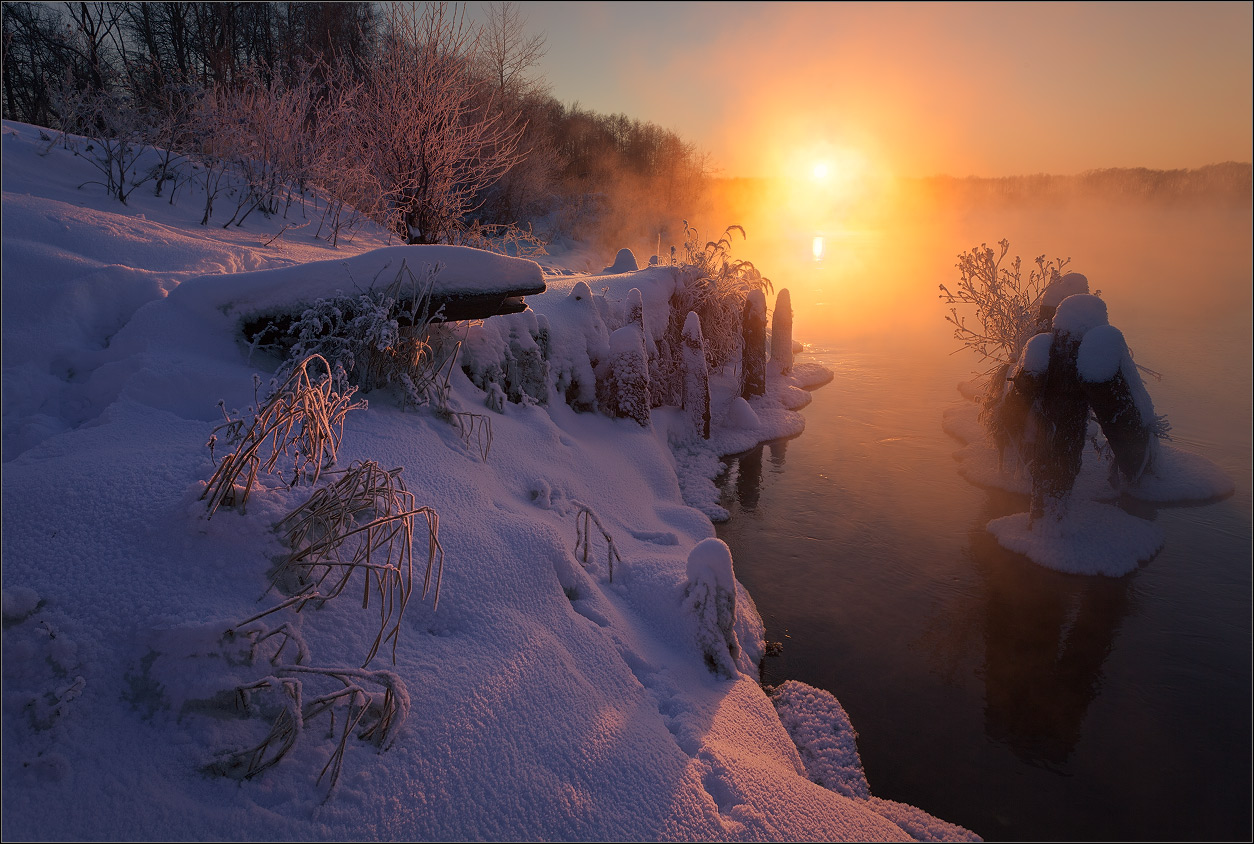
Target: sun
820, 171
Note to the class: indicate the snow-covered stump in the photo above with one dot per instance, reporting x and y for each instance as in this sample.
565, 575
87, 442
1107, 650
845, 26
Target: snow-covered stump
711, 599
1071, 284
781, 333
584, 350
1024, 386
696, 384
1063, 408
627, 384
753, 353
526, 371
1118, 398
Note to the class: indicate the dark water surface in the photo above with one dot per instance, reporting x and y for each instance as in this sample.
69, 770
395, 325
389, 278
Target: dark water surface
1017, 701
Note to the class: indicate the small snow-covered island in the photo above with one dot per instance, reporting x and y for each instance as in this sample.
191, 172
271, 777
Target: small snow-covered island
1063, 417
387, 541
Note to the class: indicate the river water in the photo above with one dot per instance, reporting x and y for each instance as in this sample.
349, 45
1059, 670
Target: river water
1017, 701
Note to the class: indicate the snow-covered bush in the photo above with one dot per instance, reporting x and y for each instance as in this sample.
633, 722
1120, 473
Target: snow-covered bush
625, 388
624, 262
505, 357
710, 598
579, 351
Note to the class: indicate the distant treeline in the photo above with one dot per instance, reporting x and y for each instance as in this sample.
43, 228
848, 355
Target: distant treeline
1227, 183
410, 114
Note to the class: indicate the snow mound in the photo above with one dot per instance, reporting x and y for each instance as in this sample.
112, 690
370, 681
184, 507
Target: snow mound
741, 415
1071, 284
1078, 313
1090, 538
624, 262
818, 725
1101, 354
1177, 477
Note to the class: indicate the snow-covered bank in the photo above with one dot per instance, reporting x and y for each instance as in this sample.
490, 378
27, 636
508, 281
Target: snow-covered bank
541, 700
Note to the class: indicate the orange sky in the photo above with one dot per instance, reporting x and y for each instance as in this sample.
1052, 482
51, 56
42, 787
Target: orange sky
911, 89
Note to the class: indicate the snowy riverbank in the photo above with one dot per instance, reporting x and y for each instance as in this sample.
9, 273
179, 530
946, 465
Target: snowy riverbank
541, 700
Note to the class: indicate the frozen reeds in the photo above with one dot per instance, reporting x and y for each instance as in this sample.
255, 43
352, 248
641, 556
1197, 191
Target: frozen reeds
584, 520
372, 704
364, 521
302, 421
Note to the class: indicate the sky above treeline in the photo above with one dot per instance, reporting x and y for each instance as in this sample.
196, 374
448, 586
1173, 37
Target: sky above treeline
916, 89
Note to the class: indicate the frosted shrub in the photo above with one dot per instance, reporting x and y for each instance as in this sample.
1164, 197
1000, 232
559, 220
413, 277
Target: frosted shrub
625, 389
374, 705
1006, 305
584, 520
714, 285
505, 357
1007, 313
111, 132
363, 522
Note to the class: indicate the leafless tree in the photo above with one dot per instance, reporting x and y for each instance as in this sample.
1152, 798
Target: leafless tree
433, 141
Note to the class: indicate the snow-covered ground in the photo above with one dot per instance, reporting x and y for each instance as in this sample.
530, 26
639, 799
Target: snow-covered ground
539, 700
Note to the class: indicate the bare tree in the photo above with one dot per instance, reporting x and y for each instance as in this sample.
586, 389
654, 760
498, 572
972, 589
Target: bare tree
430, 137
508, 54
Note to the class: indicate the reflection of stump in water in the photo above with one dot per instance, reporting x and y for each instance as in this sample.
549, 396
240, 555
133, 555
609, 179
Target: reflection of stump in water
1045, 644
778, 448
749, 478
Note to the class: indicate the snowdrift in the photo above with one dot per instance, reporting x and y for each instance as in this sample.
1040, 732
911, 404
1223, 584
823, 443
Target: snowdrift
144, 698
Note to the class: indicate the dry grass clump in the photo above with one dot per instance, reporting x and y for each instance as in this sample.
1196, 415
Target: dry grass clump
302, 421
364, 521
714, 286
584, 520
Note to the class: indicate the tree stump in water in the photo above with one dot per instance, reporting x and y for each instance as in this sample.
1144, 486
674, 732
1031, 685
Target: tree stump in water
781, 333
753, 353
1062, 408
1112, 385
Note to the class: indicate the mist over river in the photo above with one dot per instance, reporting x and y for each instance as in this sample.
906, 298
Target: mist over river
1015, 700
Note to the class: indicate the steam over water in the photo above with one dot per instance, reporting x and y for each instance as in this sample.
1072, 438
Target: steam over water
1017, 701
